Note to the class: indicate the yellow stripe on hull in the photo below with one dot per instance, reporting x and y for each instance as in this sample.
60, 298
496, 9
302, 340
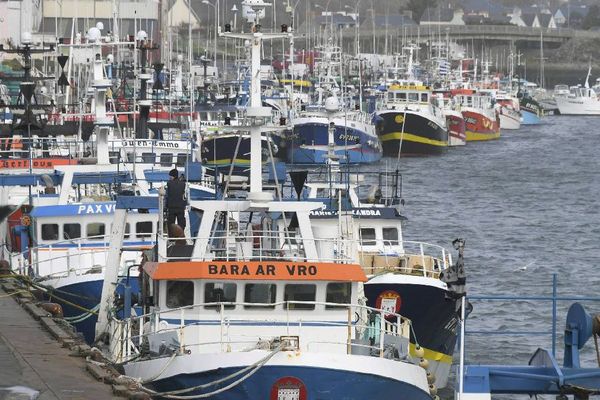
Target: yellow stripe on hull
412, 138
432, 355
477, 136
227, 161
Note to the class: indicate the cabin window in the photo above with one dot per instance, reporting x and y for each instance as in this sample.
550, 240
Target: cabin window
390, 236
148, 158
424, 98
298, 292
181, 159
413, 97
368, 236
260, 293
49, 231
220, 292
114, 156
71, 231
180, 294
402, 96
143, 229
95, 231
338, 292
130, 157
166, 159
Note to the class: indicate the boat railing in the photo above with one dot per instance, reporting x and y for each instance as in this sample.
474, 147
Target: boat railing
38, 147
266, 246
546, 306
374, 255
365, 330
405, 257
67, 258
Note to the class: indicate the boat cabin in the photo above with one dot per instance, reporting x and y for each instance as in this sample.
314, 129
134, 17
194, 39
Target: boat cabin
229, 305
580, 92
404, 94
75, 237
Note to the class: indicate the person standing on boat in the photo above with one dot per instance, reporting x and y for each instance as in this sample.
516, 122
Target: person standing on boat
176, 199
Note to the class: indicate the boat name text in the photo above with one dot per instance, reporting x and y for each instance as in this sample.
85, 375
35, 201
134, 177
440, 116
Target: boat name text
260, 269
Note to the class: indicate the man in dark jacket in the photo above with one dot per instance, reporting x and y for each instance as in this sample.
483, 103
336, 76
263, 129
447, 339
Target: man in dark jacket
176, 201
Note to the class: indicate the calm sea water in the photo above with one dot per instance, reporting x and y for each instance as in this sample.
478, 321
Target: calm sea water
528, 206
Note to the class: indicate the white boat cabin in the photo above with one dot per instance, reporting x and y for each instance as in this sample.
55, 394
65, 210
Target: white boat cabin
74, 238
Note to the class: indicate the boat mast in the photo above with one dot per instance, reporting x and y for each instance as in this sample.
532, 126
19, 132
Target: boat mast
254, 10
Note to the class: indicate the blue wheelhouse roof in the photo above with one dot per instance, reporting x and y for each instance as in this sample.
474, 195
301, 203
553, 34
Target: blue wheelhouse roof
94, 208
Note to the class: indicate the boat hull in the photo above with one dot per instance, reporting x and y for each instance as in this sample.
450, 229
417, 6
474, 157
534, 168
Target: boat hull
308, 142
531, 111
509, 119
578, 106
411, 134
426, 302
456, 130
219, 151
311, 376
479, 126
85, 292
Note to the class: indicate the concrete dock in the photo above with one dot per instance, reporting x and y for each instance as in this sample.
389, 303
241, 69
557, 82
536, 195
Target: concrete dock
30, 357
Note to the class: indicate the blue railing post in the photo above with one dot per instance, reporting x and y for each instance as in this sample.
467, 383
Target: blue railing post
554, 282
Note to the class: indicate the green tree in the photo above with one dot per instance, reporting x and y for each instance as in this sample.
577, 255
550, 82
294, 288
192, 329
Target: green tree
592, 19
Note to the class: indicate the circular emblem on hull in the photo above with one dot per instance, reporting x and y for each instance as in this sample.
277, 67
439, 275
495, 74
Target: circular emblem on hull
288, 388
399, 118
389, 301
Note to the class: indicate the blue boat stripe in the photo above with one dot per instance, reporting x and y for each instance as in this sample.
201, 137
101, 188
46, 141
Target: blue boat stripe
177, 321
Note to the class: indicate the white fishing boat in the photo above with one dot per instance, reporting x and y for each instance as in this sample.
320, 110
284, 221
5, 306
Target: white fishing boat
259, 304
509, 110
580, 100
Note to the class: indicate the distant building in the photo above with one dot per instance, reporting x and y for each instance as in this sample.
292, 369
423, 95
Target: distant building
83, 14
337, 19
559, 18
17, 17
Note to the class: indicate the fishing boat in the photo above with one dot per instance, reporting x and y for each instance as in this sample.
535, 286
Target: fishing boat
258, 304
509, 110
454, 118
332, 118
482, 121
580, 100
69, 255
350, 131
404, 276
409, 121
531, 111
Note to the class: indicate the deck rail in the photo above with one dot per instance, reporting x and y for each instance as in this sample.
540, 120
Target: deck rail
365, 327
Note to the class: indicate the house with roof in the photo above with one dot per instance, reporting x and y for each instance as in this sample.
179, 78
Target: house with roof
574, 13
559, 18
338, 19
539, 18
488, 9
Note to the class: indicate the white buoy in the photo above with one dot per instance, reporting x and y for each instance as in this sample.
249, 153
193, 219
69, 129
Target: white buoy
419, 351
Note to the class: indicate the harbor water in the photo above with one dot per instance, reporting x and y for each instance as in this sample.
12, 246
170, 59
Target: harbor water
527, 205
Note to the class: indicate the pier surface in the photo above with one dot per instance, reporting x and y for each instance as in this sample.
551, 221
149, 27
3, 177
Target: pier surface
30, 357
